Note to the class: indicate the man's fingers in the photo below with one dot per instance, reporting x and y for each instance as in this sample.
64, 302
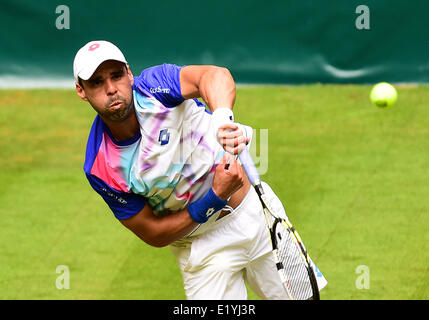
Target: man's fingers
240, 148
236, 170
233, 142
226, 161
233, 165
235, 146
228, 126
235, 150
223, 161
231, 138
229, 134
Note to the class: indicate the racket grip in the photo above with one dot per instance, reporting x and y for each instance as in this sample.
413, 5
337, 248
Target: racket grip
249, 167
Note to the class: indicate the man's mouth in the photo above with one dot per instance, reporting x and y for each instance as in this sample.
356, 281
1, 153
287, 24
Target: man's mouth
116, 104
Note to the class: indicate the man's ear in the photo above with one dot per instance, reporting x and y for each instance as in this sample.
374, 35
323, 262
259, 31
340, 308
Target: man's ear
130, 75
81, 92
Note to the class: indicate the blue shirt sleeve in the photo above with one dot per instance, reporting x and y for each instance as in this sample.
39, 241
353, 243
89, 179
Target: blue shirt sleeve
123, 205
162, 82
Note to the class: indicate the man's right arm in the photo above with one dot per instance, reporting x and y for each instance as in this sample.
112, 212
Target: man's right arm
162, 231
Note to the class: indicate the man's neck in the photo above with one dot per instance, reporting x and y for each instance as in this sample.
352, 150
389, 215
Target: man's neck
124, 130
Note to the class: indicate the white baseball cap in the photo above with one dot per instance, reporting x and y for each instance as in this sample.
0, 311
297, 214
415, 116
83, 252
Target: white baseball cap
91, 55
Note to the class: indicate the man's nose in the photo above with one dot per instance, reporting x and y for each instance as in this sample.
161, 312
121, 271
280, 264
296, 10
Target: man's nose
110, 88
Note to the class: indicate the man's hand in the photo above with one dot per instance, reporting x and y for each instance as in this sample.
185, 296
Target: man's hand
228, 177
232, 138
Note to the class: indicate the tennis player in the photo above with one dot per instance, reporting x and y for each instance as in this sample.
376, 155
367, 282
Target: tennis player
163, 164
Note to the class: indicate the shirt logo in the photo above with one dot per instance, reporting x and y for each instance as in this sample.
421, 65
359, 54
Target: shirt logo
110, 194
164, 137
210, 212
159, 90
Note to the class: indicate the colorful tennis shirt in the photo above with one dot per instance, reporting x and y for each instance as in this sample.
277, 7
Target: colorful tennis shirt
168, 164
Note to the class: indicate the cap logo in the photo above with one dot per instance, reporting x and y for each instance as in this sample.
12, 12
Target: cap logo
94, 46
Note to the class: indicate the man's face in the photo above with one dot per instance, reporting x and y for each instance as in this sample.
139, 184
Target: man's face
109, 90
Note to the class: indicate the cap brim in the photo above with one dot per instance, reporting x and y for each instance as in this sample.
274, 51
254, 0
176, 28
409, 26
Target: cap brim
87, 72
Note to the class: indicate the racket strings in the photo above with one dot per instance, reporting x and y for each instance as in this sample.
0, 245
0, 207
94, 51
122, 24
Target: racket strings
294, 267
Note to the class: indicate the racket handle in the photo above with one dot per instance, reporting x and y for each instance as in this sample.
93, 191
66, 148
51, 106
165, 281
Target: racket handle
249, 167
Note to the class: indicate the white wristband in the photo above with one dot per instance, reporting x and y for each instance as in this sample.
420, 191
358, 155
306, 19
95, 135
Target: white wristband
220, 117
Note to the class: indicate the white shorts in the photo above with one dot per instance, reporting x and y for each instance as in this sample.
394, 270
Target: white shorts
236, 249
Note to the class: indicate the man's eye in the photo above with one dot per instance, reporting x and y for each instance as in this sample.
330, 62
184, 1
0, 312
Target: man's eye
95, 83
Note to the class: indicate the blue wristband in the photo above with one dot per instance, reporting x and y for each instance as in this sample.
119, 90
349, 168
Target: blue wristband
201, 210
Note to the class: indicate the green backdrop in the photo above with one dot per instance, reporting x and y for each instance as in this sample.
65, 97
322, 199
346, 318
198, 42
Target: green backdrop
287, 41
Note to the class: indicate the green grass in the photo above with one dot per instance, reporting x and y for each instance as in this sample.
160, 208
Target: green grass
354, 180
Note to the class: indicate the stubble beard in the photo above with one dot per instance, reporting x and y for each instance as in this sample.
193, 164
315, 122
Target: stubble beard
120, 113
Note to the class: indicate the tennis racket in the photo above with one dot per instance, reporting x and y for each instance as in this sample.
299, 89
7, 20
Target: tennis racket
292, 260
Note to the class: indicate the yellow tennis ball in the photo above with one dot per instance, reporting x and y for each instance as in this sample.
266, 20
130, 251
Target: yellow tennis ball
383, 95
